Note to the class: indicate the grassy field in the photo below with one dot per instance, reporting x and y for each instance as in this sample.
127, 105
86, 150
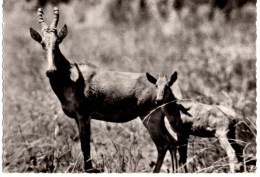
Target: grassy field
215, 63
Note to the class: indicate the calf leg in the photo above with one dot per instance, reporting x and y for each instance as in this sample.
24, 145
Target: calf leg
171, 141
154, 126
222, 136
238, 149
161, 154
174, 159
183, 144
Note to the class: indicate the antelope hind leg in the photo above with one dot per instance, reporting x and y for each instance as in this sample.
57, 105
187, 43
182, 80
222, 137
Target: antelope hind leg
238, 149
228, 148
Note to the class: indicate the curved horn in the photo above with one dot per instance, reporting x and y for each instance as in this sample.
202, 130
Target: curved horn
41, 21
55, 18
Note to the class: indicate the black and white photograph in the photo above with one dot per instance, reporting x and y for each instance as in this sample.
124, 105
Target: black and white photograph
129, 86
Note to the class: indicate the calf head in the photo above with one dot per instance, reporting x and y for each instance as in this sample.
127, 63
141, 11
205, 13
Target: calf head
163, 87
50, 38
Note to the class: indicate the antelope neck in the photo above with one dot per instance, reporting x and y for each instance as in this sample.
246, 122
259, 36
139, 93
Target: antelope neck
172, 98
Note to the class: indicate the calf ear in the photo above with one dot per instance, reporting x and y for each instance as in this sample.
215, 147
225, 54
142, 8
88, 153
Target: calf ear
62, 33
151, 78
35, 35
173, 78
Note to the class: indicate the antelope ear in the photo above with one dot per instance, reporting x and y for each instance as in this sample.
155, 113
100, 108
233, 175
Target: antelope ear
35, 35
173, 78
62, 33
151, 78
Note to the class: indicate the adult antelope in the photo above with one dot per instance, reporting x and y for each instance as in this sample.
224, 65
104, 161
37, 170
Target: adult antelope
189, 117
86, 92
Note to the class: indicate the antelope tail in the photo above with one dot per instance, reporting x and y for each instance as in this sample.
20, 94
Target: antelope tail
245, 131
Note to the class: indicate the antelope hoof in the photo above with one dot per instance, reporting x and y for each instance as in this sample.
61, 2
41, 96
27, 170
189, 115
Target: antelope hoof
94, 170
239, 167
152, 164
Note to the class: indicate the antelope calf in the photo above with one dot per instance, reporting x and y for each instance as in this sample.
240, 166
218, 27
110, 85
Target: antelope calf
87, 92
194, 118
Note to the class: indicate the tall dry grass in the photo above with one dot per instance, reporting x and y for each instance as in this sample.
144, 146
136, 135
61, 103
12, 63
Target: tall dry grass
215, 61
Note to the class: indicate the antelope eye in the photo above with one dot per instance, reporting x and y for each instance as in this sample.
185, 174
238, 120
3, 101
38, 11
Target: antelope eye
58, 41
43, 44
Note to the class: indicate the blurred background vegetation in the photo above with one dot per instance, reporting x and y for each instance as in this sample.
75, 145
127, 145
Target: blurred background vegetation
211, 45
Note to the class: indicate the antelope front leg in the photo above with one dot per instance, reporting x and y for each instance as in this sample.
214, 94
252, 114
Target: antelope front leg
174, 159
160, 158
183, 143
84, 134
156, 130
